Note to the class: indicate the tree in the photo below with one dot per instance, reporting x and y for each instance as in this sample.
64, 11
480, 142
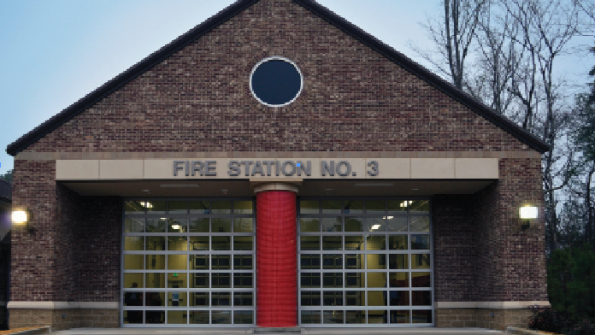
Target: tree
497, 58
571, 282
584, 140
453, 35
545, 28
514, 46
7, 176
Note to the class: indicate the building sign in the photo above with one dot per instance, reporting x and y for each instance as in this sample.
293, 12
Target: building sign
272, 168
278, 168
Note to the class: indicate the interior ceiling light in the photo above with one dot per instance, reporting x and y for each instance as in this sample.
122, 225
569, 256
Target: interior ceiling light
376, 226
373, 184
405, 203
179, 185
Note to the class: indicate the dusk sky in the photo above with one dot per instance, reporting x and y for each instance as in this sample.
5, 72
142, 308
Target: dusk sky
55, 52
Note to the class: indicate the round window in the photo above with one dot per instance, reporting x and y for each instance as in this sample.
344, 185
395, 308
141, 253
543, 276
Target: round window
276, 81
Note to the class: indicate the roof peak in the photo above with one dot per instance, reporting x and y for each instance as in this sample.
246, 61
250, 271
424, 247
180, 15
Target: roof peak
235, 9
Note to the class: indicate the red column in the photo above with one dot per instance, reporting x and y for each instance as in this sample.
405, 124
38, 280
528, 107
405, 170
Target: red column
276, 261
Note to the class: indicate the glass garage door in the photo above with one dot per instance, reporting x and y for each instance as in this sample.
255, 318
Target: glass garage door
188, 263
365, 261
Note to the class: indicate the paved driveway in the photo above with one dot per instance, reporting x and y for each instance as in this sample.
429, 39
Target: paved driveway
308, 331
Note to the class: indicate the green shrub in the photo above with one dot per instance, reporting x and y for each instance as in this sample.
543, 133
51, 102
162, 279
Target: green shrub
571, 290
546, 319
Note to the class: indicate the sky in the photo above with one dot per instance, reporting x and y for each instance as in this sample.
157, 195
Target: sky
52, 53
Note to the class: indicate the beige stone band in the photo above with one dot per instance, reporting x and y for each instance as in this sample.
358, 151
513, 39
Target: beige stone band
353, 168
62, 305
275, 187
490, 304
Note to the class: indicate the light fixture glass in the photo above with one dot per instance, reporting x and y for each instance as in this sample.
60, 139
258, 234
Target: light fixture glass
176, 227
376, 226
528, 212
19, 216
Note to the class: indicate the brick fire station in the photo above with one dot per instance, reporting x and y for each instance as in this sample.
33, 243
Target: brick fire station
276, 166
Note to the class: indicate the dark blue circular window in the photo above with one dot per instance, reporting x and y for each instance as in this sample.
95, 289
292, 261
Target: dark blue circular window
276, 81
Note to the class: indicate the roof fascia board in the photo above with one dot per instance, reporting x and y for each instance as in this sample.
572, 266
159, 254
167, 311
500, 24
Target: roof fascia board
431, 78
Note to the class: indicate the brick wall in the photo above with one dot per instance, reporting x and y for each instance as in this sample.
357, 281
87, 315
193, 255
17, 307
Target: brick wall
100, 244
482, 254
32, 271
484, 318
522, 253
354, 99
455, 267
60, 319
73, 253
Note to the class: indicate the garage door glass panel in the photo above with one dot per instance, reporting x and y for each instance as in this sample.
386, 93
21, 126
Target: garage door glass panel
188, 263
365, 261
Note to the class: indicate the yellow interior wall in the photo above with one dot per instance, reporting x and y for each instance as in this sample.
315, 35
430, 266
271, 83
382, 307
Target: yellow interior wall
130, 278
155, 262
177, 317
133, 262
177, 262
155, 280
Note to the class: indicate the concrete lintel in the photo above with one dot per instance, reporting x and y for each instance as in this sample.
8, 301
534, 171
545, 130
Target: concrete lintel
77, 170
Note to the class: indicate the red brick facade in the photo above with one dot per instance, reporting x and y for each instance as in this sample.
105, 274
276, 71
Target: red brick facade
73, 252
198, 100
482, 254
354, 99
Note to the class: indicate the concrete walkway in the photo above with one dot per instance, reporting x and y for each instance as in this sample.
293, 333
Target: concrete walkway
309, 331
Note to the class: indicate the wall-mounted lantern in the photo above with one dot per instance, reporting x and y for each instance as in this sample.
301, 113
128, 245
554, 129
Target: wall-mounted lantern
527, 213
21, 217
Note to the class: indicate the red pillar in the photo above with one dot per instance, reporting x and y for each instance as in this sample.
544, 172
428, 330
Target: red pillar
276, 254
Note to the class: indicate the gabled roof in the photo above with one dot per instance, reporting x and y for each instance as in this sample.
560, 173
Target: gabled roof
235, 9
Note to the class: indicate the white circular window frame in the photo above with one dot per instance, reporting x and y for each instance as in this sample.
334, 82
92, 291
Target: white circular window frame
281, 59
